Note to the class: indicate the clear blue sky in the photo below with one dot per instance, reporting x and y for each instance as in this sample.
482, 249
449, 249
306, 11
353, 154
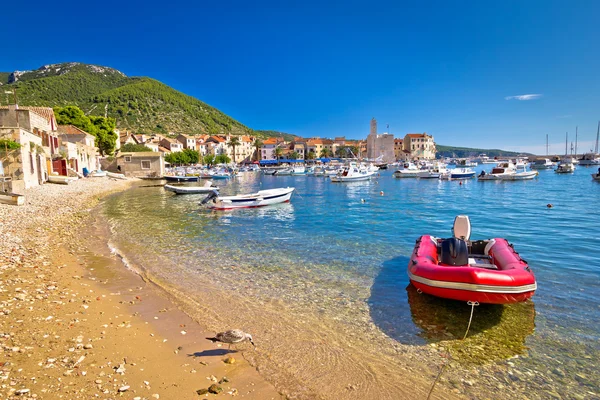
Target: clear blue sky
325, 68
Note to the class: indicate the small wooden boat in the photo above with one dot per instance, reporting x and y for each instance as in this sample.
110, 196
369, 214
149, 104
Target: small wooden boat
61, 179
259, 199
486, 271
207, 188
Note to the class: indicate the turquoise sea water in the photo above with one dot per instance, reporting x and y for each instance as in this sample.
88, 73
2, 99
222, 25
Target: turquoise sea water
337, 255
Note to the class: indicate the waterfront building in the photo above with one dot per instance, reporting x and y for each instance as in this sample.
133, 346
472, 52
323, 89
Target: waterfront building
171, 144
188, 142
267, 151
35, 128
79, 148
144, 163
420, 145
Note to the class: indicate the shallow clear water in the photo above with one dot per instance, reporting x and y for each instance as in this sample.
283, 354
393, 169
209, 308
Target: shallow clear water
337, 256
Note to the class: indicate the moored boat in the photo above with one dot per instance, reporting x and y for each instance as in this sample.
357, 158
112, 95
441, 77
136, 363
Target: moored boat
180, 178
353, 172
207, 188
115, 175
259, 199
502, 170
542, 163
459, 173
485, 271
408, 170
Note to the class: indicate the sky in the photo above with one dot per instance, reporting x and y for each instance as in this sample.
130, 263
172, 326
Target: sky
486, 74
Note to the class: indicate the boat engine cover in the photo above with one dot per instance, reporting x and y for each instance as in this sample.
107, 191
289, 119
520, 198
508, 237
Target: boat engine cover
454, 251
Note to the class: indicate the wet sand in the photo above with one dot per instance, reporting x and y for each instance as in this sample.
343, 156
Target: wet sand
76, 325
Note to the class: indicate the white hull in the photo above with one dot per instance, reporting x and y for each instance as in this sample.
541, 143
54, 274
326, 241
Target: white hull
61, 179
365, 177
520, 176
190, 189
589, 163
116, 176
405, 174
98, 174
260, 199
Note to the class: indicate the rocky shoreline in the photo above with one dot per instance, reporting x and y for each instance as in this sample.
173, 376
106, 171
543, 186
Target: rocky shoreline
66, 334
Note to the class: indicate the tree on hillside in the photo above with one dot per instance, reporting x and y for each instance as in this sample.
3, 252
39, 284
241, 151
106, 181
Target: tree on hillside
72, 115
102, 128
134, 148
257, 145
106, 138
233, 142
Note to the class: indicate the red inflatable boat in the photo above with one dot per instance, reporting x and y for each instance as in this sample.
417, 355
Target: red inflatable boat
486, 271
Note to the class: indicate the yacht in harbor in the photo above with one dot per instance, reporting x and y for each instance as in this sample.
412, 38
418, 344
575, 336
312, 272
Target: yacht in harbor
542, 163
484, 159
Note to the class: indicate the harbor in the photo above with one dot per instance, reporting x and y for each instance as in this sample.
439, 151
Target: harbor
286, 272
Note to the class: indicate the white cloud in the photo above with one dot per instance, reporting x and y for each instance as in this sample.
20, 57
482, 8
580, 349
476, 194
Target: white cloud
564, 116
524, 97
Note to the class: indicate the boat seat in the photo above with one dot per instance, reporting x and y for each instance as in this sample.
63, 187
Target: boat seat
462, 227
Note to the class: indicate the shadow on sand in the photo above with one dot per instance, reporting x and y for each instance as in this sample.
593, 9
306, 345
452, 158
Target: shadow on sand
496, 332
215, 352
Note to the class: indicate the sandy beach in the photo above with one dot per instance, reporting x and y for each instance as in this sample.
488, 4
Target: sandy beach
74, 327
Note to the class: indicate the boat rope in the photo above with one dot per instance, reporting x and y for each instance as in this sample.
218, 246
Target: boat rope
473, 304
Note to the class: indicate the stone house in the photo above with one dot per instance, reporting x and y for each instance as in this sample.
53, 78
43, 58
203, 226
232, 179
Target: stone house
137, 164
35, 129
171, 144
80, 148
188, 142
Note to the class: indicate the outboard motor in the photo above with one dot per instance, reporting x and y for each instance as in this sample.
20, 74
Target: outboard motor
212, 195
454, 251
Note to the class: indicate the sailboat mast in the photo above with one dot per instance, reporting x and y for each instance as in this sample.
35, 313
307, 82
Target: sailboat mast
566, 142
575, 142
597, 135
547, 140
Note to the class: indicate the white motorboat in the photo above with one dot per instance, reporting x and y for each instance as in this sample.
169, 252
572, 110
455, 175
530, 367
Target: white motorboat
207, 188
409, 170
484, 159
521, 174
458, 173
565, 166
542, 163
353, 172
259, 199
500, 171
590, 160
433, 173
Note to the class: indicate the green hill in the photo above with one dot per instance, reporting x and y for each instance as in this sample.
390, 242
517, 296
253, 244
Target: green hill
466, 152
138, 103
